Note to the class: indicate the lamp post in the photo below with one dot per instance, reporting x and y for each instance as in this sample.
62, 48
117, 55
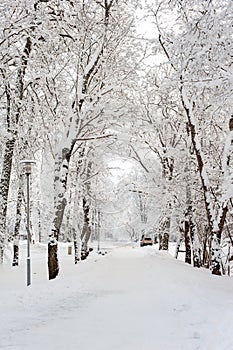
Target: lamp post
27, 164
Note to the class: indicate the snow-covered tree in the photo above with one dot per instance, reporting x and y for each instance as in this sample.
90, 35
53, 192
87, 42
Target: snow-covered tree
84, 39
197, 56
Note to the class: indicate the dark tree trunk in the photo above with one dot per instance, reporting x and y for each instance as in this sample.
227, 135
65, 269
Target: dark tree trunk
195, 244
4, 190
53, 267
15, 253
196, 259
188, 250
61, 177
86, 231
76, 252
164, 241
164, 234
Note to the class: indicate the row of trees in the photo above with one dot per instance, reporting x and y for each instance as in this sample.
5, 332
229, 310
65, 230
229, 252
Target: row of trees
80, 86
58, 67
192, 98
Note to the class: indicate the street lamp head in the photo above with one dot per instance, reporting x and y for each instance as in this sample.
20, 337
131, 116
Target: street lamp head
27, 165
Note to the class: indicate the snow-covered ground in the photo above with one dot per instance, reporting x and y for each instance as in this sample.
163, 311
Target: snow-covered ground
129, 299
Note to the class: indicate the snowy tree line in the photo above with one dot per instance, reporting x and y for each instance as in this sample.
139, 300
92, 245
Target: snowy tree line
80, 87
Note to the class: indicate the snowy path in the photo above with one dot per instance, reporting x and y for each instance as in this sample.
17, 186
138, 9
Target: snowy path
132, 299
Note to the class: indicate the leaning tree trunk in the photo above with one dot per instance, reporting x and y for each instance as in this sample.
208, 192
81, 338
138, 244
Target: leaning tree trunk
60, 182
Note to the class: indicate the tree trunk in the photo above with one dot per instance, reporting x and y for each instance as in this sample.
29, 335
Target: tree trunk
86, 231
53, 267
4, 190
75, 229
167, 174
196, 250
60, 182
195, 245
77, 251
215, 256
187, 240
15, 253
164, 234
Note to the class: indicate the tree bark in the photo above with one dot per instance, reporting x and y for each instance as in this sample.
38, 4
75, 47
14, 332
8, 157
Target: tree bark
15, 253
164, 234
86, 231
60, 182
76, 251
187, 240
4, 190
196, 250
53, 267
167, 174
